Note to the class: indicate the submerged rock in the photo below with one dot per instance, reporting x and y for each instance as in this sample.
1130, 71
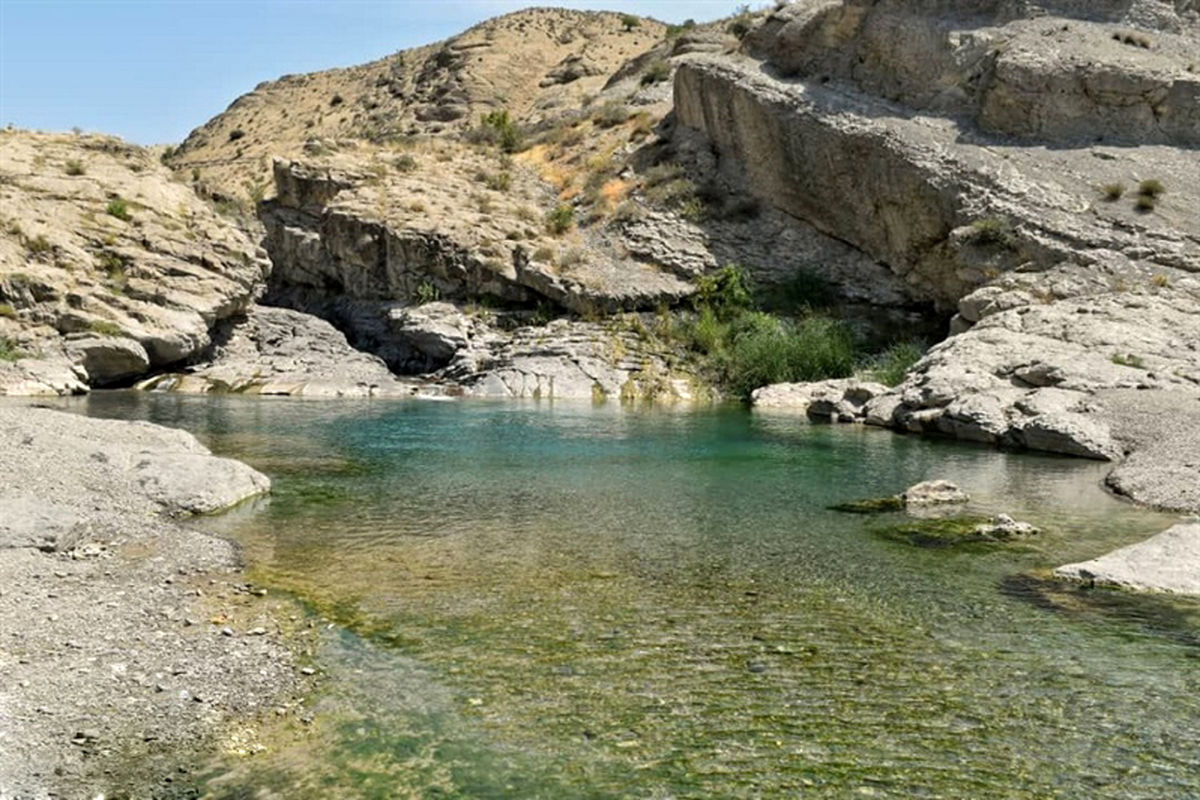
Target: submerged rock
1168, 562
871, 505
933, 493
1002, 527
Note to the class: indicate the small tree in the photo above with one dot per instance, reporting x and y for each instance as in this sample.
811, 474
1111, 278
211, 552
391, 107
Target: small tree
629, 22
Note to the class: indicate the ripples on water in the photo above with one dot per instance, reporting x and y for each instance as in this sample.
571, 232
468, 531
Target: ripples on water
567, 601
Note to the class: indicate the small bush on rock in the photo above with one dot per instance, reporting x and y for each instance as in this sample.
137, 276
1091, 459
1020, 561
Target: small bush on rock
117, 207
560, 219
9, 351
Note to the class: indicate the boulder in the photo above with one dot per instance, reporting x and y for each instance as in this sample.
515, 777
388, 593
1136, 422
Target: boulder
109, 359
933, 493
839, 400
1002, 527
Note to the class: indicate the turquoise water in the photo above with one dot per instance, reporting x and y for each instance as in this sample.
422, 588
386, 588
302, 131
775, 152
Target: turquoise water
576, 601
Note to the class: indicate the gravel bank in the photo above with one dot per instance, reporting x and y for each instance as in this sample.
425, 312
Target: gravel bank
128, 644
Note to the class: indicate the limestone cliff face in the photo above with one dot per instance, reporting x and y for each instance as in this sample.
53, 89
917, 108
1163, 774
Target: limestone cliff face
1032, 169
109, 268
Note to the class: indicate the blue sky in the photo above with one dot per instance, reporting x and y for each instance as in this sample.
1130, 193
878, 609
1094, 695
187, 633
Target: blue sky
151, 70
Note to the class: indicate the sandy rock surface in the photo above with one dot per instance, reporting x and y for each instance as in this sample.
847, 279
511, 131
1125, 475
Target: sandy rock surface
111, 670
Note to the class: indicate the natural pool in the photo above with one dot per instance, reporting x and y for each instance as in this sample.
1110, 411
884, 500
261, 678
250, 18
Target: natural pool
568, 601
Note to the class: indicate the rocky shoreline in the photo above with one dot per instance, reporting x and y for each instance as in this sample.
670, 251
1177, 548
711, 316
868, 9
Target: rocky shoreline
130, 647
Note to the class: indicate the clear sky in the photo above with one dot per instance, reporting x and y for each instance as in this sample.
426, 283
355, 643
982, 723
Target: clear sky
151, 70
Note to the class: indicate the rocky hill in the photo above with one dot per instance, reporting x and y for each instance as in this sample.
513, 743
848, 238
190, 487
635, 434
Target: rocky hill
540, 206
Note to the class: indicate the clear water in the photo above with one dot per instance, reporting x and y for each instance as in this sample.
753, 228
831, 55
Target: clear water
573, 601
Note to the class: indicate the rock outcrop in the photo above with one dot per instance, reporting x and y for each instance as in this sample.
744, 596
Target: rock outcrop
1168, 562
276, 351
838, 400
109, 268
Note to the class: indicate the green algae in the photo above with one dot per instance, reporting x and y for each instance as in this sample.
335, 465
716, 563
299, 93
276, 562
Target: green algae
936, 531
871, 505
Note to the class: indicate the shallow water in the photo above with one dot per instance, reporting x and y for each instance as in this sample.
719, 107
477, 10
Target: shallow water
575, 601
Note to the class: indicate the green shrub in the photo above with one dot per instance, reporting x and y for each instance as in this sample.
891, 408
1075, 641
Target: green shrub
1113, 191
74, 167
629, 22
7, 311
892, 365
726, 292
1145, 203
657, 72
560, 219
498, 128
9, 350
117, 207
765, 350
991, 232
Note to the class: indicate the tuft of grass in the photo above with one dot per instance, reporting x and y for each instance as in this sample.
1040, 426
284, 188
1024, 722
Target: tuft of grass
571, 256
544, 254
1152, 187
405, 163
74, 167
498, 182
560, 219
9, 351
1145, 203
1128, 360
426, 292
892, 365
119, 208
102, 327
7, 311
1160, 280
39, 245
1113, 191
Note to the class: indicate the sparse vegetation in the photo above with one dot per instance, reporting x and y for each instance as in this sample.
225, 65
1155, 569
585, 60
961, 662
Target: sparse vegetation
1152, 188
38, 245
498, 181
74, 167
675, 30
560, 219
739, 26
1128, 360
890, 366
544, 254
1145, 203
1160, 280
499, 129
103, 327
9, 351
629, 22
1113, 191
426, 292
7, 311
404, 163
119, 208
610, 114
571, 256
657, 72
991, 232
